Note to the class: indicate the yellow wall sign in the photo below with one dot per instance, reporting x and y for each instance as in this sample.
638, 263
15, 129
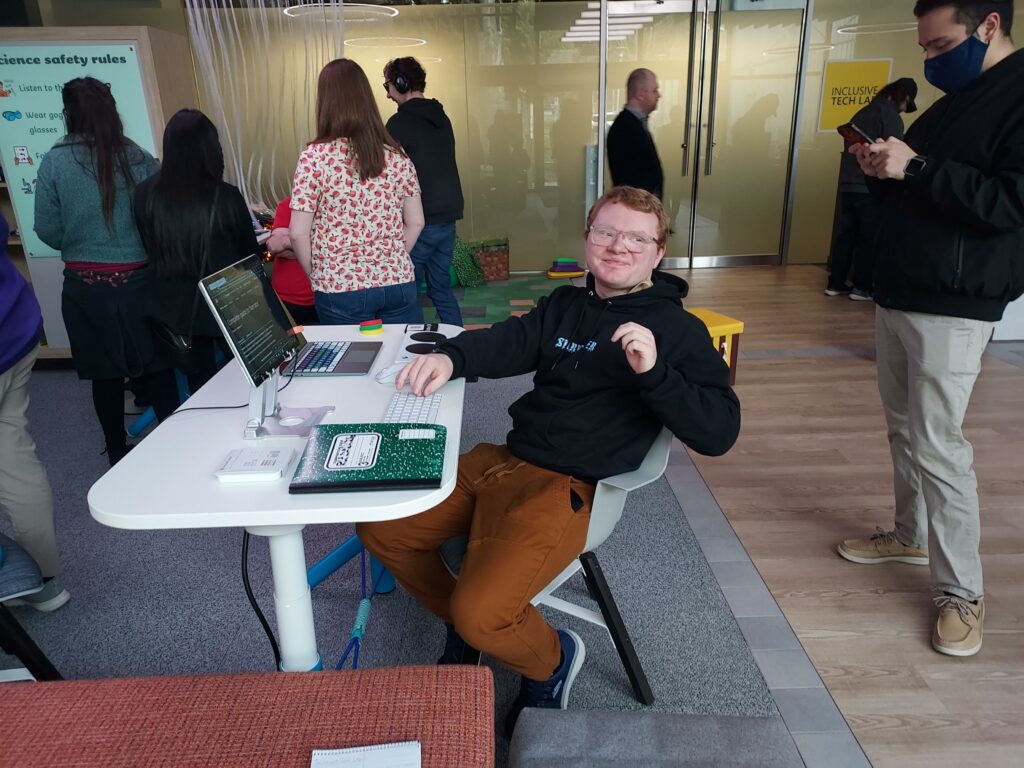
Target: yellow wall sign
848, 86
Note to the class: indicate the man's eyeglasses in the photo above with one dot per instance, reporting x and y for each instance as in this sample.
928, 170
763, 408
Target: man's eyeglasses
387, 86
635, 242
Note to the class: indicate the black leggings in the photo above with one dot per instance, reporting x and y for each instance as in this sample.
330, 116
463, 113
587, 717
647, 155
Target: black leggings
159, 389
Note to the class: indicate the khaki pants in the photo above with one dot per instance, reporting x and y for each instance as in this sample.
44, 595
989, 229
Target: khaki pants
24, 489
523, 531
927, 366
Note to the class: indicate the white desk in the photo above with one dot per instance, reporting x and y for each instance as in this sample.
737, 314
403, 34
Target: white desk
167, 480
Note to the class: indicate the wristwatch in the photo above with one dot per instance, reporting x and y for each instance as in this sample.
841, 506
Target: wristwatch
915, 166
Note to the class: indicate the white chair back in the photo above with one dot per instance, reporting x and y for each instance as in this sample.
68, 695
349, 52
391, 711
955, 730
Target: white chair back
610, 495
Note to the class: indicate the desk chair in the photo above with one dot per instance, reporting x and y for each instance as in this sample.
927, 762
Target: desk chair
609, 499
19, 576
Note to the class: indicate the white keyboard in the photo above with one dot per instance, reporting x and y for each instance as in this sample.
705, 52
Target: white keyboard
407, 407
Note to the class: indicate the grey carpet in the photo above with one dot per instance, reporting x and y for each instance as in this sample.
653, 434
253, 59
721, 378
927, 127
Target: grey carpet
574, 739
171, 602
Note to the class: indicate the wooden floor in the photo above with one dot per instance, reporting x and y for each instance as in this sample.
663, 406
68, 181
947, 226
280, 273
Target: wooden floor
812, 467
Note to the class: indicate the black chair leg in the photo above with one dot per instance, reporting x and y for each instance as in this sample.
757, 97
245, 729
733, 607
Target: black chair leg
598, 587
15, 640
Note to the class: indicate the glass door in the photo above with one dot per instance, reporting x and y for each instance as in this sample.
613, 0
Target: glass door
727, 72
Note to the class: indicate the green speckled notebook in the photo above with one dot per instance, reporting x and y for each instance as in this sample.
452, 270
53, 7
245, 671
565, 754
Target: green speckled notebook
370, 457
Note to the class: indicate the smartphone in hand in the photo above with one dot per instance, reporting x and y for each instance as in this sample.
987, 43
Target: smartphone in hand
854, 135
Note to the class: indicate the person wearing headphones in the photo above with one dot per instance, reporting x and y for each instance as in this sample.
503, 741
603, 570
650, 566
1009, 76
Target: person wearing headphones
425, 133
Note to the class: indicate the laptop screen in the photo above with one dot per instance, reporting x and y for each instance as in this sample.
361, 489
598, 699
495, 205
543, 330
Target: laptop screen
254, 322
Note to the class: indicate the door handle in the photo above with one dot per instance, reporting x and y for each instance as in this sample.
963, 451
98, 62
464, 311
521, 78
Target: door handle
691, 62
715, 41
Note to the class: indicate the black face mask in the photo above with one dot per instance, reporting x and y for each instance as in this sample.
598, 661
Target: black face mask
955, 69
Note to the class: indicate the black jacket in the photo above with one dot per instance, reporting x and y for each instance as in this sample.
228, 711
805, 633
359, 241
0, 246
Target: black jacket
425, 133
233, 238
632, 157
880, 119
588, 414
951, 239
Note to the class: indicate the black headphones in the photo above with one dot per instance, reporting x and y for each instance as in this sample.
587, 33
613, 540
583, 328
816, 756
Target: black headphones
401, 84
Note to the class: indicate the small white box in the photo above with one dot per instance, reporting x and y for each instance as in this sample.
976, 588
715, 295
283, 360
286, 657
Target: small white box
244, 465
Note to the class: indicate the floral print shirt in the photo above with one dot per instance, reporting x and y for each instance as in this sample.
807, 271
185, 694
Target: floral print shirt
357, 237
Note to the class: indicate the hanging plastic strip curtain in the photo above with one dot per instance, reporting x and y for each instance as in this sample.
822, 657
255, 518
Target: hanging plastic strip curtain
257, 63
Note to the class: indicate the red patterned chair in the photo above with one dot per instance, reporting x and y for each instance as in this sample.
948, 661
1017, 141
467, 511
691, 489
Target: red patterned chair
261, 719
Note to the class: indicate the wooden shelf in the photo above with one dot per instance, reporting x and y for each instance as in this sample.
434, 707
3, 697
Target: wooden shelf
14, 241
54, 353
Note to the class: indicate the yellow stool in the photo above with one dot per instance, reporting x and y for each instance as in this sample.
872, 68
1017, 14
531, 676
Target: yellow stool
725, 333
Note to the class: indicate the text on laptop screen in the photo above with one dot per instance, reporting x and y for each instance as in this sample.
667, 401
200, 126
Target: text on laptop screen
255, 323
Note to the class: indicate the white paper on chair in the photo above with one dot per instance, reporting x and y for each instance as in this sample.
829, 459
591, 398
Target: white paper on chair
402, 754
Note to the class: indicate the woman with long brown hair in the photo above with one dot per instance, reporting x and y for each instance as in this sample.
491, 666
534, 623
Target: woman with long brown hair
356, 210
83, 208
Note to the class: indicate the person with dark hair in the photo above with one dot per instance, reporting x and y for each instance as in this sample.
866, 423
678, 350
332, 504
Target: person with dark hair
950, 256
632, 157
25, 494
192, 224
83, 209
425, 133
356, 210
613, 363
857, 219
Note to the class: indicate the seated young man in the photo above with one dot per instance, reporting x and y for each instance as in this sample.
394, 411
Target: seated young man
613, 362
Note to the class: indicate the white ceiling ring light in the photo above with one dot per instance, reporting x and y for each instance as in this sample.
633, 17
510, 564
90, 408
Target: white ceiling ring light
420, 59
352, 13
877, 29
385, 42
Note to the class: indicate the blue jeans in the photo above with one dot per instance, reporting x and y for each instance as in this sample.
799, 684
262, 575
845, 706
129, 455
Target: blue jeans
392, 304
432, 257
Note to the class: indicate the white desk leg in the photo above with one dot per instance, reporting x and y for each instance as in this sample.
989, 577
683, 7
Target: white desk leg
292, 603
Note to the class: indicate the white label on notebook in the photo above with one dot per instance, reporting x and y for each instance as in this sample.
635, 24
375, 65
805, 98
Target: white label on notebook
417, 434
353, 450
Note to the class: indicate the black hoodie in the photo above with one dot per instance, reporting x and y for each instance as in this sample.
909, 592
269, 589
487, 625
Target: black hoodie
425, 133
588, 414
951, 240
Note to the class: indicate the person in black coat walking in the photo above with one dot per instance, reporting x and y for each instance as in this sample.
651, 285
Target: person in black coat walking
858, 211
632, 157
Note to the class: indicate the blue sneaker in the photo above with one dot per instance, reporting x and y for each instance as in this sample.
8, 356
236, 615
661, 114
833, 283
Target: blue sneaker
552, 693
457, 650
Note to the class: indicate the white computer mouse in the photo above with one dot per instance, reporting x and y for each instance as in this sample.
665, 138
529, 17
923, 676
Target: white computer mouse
387, 375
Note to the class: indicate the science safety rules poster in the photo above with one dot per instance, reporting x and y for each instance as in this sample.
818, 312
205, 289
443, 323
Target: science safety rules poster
32, 112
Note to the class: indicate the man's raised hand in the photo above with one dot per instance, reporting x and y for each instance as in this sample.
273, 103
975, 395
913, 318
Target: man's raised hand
638, 344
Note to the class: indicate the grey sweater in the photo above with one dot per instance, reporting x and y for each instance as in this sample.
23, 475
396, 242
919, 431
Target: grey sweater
69, 211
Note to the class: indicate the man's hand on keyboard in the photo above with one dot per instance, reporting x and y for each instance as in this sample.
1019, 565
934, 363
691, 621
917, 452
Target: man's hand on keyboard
426, 374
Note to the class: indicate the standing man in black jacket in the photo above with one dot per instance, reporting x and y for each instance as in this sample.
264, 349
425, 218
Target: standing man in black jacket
632, 157
613, 362
858, 210
425, 133
951, 257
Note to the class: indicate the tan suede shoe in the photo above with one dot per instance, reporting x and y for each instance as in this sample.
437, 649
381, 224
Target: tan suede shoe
959, 628
881, 547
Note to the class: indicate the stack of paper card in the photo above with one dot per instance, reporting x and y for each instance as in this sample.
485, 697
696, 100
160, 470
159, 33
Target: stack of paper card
403, 754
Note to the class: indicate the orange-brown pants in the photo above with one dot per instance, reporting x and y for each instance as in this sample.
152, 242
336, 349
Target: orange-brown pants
525, 525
